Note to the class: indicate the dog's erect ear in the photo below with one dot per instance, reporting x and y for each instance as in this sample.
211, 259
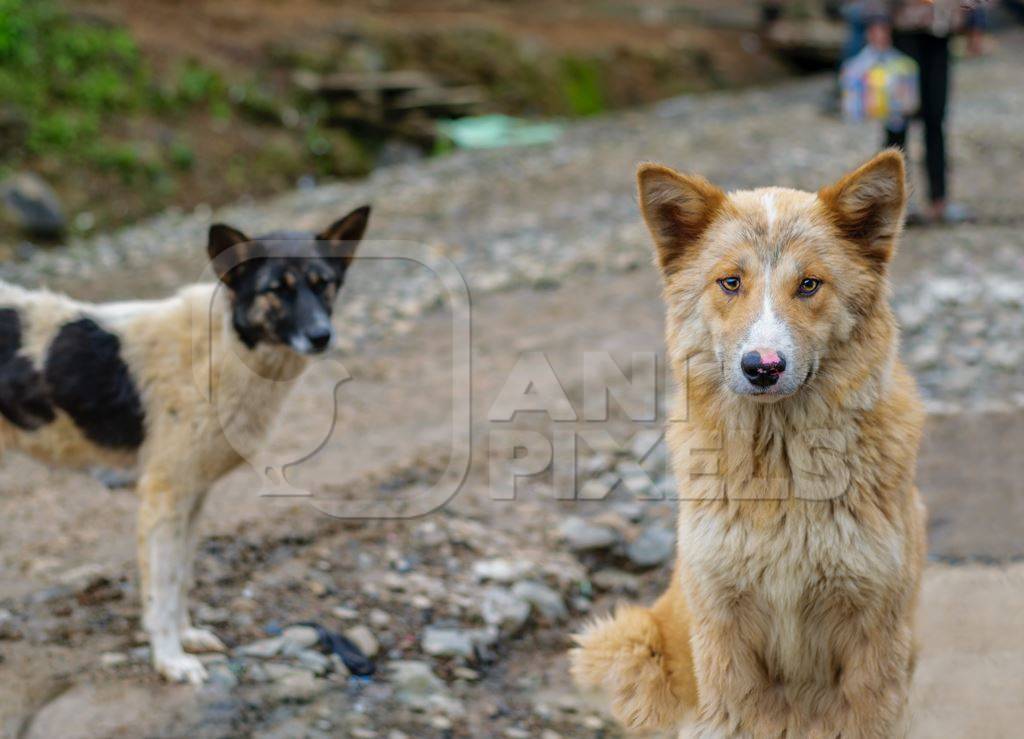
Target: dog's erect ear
677, 208
342, 237
867, 204
224, 251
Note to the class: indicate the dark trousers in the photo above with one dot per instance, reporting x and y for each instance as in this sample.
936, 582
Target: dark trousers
932, 56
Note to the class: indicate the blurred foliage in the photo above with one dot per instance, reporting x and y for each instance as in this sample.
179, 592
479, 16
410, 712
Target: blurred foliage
64, 78
581, 82
79, 103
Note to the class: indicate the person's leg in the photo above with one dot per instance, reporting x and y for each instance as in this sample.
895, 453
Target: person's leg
894, 137
935, 92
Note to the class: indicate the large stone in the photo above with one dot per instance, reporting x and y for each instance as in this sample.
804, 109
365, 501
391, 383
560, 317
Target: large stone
33, 205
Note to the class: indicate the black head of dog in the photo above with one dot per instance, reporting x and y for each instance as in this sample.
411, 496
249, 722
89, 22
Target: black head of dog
283, 284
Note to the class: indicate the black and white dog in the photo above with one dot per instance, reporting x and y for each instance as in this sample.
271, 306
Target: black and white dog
114, 384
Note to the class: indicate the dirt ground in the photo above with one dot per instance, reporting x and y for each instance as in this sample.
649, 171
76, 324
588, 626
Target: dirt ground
394, 417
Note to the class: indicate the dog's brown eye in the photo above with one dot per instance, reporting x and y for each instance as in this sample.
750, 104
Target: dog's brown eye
809, 286
730, 284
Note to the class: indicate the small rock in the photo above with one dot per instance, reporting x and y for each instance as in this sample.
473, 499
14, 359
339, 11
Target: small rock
214, 616
500, 570
363, 638
465, 673
379, 618
441, 723
631, 510
255, 672
338, 666
313, 661
654, 545
581, 536
263, 648
295, 685
221, 675
114, 659
545, 600
300, 637
616, 581
598, 488
415, 682
502, 609
440, 642
344, 613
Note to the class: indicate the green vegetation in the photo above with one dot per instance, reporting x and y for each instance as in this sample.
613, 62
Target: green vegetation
80, 104
65, 79
581, 81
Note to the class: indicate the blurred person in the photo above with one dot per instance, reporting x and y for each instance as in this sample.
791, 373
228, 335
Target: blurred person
853, 14
922, 30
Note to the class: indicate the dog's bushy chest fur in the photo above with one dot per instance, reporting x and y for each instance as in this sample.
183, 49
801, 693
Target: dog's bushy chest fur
785, 571
785, 560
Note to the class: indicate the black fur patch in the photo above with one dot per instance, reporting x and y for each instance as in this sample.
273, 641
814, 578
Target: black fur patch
23, 399
91, 383
10, 334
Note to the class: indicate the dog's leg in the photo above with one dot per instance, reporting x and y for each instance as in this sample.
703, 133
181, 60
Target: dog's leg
737, 697
875, 685
194, 639
162, 540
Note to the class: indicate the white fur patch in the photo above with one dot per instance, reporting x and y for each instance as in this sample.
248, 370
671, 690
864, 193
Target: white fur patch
769, 330
768, 200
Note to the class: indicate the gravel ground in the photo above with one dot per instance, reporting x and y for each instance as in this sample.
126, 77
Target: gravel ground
468, 610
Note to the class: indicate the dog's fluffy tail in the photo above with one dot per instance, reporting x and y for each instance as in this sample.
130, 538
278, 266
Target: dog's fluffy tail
641, 657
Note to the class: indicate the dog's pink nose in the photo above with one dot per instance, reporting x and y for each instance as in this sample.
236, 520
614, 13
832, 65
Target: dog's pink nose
762, 367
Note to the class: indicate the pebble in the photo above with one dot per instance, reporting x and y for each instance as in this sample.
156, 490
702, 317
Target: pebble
501, 570
296, 685
363, 638
443, 642
222, 676
379, 618
300, 637
418, 687
654, 545
318, 664
616, 581
499, 607
263, 648
545, 600
581, 536
114, 659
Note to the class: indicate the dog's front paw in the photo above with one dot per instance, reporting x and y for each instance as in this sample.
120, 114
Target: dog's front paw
201, 641
182, 668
